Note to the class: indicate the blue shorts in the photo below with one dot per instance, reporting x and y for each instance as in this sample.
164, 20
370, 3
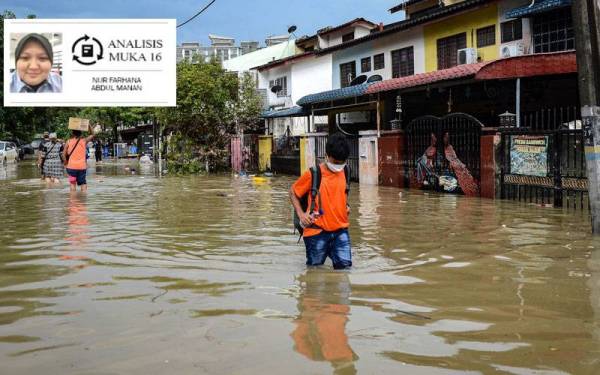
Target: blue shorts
335, 245
79, 175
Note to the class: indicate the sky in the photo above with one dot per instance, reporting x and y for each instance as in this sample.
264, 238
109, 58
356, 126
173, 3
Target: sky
240, 19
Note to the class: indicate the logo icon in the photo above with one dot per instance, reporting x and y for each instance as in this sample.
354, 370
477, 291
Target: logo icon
87, 50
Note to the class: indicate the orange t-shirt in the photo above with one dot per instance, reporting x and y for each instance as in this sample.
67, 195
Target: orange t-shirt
77, 158
333, 198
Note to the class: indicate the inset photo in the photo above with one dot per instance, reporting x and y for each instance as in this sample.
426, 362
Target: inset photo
36, 62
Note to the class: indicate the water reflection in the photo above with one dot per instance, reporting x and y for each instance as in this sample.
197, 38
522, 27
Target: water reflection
320, 328
78, 222
205, 266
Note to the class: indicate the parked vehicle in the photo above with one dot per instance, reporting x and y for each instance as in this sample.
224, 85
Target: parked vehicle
20, 147
8, 152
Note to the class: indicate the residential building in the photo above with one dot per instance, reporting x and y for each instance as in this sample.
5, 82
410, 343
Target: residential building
276, 39
222, 48
248, 46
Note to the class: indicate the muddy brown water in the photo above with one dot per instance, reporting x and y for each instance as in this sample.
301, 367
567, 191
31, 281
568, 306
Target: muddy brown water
202, 275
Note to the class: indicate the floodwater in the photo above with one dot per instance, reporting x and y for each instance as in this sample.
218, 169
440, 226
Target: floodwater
202, 275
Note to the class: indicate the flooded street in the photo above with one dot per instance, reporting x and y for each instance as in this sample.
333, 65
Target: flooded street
203, 275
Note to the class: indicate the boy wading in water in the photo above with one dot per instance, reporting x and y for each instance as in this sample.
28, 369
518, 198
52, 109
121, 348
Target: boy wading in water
326, 226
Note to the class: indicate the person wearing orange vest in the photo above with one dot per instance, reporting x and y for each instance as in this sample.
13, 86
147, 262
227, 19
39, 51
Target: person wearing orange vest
326, 228
74, 155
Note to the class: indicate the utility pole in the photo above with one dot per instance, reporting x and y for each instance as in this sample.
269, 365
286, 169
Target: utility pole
586, 23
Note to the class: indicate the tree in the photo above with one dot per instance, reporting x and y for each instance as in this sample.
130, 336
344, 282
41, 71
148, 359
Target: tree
212, 104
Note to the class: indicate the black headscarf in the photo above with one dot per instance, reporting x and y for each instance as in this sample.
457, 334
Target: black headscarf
38, 38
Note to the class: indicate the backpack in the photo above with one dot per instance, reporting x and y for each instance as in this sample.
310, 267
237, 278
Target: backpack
315, 175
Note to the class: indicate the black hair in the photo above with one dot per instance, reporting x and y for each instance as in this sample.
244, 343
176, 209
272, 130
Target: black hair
76, 133
337, 147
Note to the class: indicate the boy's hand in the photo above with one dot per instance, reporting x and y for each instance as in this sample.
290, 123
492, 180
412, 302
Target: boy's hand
306, 219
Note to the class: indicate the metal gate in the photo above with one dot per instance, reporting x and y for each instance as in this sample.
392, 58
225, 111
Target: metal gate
544, 163
321, 155
443, 153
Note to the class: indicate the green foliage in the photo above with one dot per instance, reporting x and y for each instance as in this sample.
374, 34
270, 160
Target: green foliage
212, 104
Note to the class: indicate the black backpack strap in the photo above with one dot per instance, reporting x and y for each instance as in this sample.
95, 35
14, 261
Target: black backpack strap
347, 174
315, 173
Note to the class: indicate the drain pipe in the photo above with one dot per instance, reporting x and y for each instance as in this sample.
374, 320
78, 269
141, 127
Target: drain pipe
518, 103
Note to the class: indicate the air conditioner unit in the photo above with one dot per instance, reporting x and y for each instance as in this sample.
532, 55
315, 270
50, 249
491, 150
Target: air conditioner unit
466, 56
512, 50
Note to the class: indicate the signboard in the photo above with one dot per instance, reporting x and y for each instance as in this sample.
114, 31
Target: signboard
529, 155
89, 62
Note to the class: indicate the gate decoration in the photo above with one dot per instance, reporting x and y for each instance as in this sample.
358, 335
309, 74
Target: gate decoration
529, 155
543, 162
443, 153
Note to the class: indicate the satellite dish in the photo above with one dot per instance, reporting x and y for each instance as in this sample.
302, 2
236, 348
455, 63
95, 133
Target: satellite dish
375, 78
275, 89
291, 29
359, 80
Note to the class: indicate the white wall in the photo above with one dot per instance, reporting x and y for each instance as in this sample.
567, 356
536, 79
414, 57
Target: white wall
271, 74
335, 38
311, 75
413, 37
260, 57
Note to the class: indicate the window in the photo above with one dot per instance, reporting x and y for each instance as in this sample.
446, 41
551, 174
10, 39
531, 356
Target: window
553, 31
347, 73
347, 37
282, 81
486, 36
379, 61
403, 62
511, 30
365, 65
447, 49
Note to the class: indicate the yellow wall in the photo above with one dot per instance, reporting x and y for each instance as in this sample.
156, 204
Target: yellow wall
265, 146
467, 22
303, 155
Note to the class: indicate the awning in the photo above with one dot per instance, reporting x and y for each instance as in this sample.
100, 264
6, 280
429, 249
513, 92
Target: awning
288, 112
460, 71
541, 64
343, 93
538, 6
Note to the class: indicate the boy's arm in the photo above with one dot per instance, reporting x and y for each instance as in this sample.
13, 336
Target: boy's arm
304, 217
299, 188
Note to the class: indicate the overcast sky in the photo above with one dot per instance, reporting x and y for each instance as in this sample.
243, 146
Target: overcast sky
240, 19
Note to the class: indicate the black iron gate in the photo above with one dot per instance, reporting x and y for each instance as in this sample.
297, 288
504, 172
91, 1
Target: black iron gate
321, 156
443, 153
560, 176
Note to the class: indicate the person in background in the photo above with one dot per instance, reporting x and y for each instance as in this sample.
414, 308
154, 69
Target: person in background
40, 150
75, 157
52, 160
33, 62
98, 150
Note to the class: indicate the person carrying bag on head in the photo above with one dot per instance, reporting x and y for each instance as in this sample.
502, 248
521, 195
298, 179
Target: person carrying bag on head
74, 155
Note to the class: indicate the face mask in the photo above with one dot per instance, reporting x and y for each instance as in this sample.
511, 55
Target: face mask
335, 167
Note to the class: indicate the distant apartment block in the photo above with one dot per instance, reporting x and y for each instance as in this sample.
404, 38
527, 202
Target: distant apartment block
221, 47
276, 39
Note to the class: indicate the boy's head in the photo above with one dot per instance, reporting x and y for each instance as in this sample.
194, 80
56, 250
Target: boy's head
337, 148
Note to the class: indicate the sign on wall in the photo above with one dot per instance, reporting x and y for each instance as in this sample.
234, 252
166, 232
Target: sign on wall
529, 155
89, 62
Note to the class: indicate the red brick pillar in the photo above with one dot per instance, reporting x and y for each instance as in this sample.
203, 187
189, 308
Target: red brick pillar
391, 155
490, 169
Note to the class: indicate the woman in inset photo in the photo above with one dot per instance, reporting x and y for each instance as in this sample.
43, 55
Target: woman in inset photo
33, 61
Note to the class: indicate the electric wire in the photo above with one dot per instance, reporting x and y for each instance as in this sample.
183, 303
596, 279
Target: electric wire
197, 14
